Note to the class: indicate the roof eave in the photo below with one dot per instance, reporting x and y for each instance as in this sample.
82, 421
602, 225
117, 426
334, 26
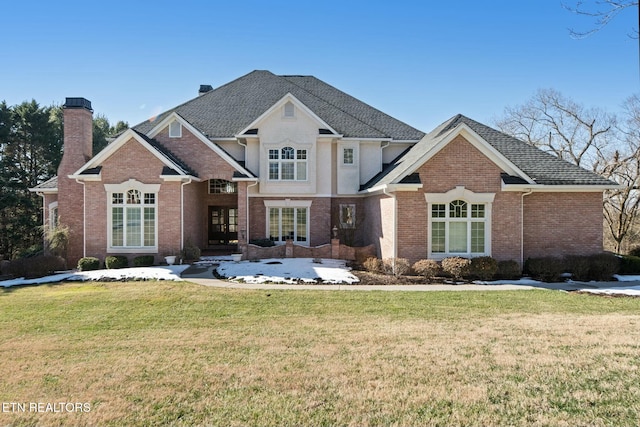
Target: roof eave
561, 188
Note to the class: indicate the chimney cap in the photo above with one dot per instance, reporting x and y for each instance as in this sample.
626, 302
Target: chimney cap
77, 103
204, 89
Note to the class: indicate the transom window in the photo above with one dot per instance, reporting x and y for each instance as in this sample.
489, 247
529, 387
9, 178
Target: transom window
133, 219
288, 223
287, 164
221, 186
459, 228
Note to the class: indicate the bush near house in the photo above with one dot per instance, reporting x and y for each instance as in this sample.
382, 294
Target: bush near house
116, 261
372, 265
427, 268
581, 267
396, 266
547, 269
483, 268
191, 252
143, 261
509, 270
630, 264
603, 266
88, 264
456, 266
263, 243
37, 266
635, 251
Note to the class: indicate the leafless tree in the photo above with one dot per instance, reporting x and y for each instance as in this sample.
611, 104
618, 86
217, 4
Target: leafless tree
592, 139
560, 126
602, 12
622, 206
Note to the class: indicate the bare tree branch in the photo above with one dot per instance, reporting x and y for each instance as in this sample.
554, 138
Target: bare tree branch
603, 12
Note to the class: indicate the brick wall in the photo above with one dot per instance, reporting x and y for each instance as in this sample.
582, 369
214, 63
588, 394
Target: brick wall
206, 163
78, 138
562, 223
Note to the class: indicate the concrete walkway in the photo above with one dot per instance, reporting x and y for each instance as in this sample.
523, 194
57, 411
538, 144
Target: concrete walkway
203, 275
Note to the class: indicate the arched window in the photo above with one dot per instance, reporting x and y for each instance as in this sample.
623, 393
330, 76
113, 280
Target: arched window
133, 219
459, 228
287, 164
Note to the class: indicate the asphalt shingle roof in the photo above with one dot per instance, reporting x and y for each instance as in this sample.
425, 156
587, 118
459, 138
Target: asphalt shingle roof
540, 166
227, 110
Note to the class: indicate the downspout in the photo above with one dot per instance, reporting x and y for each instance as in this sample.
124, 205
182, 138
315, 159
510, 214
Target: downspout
395, 225
84, 217
44, 223
182, 212
522, 226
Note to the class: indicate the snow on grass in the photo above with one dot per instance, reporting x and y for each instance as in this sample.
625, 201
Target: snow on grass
633, 291
291, 270
167, 272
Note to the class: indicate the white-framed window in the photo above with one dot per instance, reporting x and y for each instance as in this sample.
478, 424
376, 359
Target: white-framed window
175, 129
53, 215
222, 186
348, 156
288, 220
132, 217
348, 215
459, 223
287, 164
289, 110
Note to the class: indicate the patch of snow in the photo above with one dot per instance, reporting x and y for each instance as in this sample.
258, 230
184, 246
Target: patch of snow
633, 291
165, 272
522, 281
625, 278
289, 270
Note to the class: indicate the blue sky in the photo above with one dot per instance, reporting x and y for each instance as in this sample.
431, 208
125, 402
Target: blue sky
419, 61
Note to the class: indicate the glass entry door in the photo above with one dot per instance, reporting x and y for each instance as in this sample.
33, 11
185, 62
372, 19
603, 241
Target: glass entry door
223, 225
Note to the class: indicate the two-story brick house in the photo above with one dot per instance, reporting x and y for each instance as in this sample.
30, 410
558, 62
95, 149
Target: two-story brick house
291, 157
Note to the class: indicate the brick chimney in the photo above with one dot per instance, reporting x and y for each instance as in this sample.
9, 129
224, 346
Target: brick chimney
78, 141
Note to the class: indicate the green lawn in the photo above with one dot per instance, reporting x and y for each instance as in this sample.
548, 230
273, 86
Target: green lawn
165, 353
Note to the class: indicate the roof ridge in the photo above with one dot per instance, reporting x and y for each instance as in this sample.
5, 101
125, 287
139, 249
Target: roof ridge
341, 109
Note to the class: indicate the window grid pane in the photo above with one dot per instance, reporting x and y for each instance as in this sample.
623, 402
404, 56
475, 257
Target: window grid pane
117, 198
274, 169
301, 226
301, 171
348, 156
287, 171
287, 221
302, 155
273, 154
438, 211
149, 226
477, 211
274, 224
438, 237
117, 226
458, 209
133, 197
287, 153
477, 237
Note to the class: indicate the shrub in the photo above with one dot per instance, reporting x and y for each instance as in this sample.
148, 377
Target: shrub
427, 268
635, 251
456, 266
603, 266
37, 266
484, 267
372, 265
116, 261
57, 240
547, 269
630, 265
578, 266
190, 252
264, 243
509, 269
396, 266
143, 261
88, 263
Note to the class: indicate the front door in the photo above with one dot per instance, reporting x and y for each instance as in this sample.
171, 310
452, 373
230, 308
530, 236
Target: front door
223, 225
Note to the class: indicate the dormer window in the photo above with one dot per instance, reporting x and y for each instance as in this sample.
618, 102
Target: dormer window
289, 110
175, 129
